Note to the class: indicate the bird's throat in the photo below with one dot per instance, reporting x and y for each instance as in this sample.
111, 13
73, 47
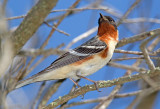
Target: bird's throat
107, 30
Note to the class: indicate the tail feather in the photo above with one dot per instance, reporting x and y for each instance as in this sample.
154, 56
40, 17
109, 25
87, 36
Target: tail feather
25, 82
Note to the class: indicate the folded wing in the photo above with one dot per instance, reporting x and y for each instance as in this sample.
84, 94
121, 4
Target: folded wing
87, 49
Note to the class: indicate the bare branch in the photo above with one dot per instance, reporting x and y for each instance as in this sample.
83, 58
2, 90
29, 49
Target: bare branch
100, 99
32, 22
59, 21
82, 36
145, 53
53, 27
128, 58
138, 37
127, 67
36, 52
103, 104
41, 89
50, 91
50, 34
128, 11
101, 84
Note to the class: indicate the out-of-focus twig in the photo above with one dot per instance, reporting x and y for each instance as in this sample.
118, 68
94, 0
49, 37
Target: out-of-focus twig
141, 19
36, 52
145, 53
128, 58
103, 104
138, 62
36, 100
82, 36
145, 93
128, 11
52, 31
127, 67
60, 31
136, 52
138, 37
50, 91
58, 23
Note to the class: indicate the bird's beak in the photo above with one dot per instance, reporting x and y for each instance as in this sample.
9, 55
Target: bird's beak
101, 16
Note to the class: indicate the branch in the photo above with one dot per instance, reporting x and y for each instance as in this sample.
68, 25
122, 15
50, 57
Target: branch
82, 36
104, 104
136, 52
138, 37
103, 98
127, 67
128, 11
101, 84
36, 52
128, 58
32, 22
49, 92
59, 22
144, 84
53, 27
145, 53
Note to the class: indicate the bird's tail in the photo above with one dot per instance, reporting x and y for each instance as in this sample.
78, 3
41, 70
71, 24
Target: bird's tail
25, 82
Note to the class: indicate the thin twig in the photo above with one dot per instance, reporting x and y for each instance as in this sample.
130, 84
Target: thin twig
36, 100
127, 67
36, 52
145, 53
136, 52
128, 11
37, 63
50, 91
16, 17
141, 95
59, 21
141, 19
103, 104
53, 27
128, 58
138, 37
82, 36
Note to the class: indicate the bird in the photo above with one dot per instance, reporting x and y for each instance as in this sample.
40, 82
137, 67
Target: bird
83, 60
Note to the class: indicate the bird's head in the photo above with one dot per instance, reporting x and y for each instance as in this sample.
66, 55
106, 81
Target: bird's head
107, 20
106, 25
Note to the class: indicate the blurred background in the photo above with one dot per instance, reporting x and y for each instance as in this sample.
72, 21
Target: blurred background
144, 16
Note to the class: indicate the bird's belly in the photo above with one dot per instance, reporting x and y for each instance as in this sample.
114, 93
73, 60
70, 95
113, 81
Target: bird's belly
90, 67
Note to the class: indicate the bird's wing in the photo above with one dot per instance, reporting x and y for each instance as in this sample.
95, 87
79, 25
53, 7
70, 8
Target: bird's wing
87, 49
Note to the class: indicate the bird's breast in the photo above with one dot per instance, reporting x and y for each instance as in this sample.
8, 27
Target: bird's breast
97, 62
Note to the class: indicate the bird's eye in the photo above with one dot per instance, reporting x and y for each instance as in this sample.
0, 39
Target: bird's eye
111, 20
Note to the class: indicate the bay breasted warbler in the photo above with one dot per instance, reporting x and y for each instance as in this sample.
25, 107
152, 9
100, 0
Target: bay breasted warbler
83, 60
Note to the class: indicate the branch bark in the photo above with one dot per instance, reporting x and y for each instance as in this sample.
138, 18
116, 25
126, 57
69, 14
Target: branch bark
138, 37
31, 23
101, 84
